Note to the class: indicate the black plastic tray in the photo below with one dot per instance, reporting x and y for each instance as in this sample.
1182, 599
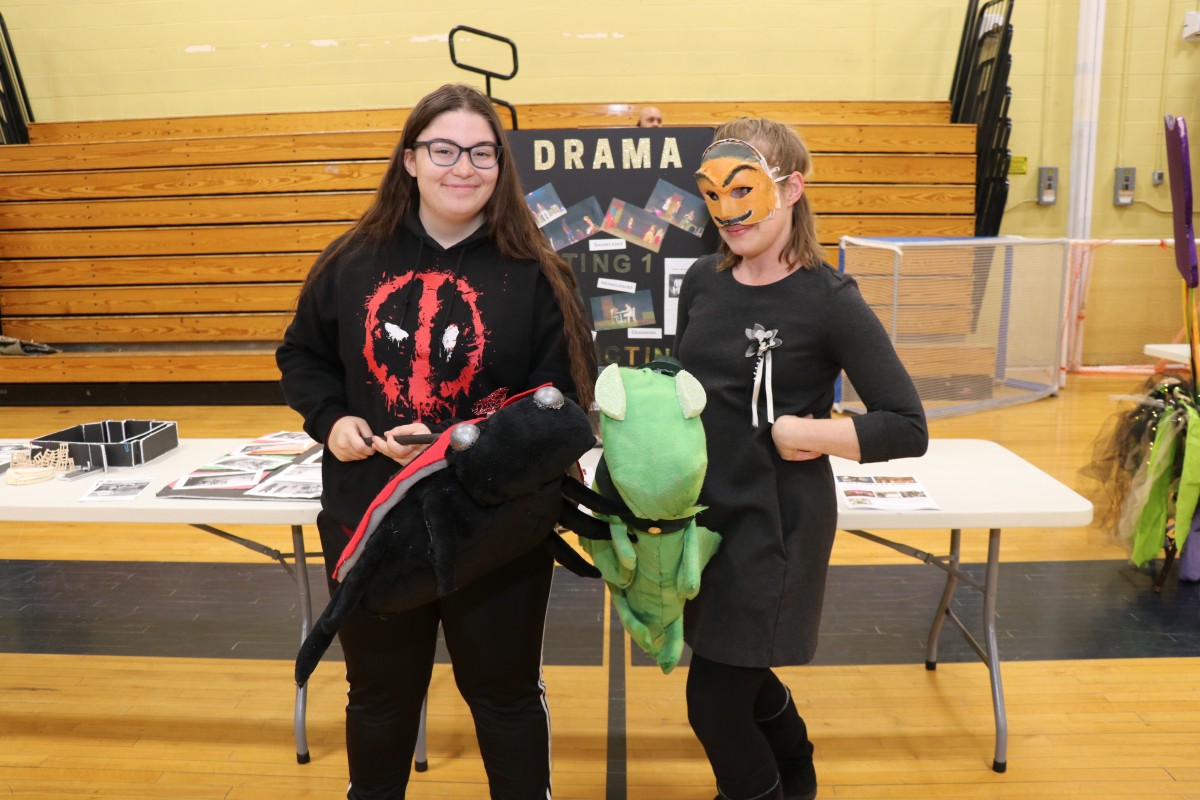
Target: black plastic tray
114, 443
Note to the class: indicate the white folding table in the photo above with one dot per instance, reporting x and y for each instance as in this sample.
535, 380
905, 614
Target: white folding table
976, 484
1179, 353
58, 501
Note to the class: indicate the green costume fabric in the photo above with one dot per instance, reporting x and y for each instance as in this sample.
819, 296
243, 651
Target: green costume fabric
1145, 472
655, 459
1152, 521
1189, 479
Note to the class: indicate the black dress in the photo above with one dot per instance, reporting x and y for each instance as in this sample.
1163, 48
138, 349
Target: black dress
760, 597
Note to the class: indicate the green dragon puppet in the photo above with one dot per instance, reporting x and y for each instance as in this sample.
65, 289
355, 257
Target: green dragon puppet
654, 464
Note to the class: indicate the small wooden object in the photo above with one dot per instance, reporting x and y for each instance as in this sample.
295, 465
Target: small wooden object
27, 468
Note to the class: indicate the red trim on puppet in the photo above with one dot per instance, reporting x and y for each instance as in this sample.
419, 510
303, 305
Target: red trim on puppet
430, 460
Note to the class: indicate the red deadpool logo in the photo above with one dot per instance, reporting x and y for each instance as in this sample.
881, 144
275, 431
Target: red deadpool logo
423, 371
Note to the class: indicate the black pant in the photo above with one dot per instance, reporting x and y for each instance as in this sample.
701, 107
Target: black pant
724, 706
493, 630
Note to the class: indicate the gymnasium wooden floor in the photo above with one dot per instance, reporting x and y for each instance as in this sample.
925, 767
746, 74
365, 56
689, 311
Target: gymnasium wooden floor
155, 661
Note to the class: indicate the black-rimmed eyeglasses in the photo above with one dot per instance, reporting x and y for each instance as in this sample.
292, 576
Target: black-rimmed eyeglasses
445, 153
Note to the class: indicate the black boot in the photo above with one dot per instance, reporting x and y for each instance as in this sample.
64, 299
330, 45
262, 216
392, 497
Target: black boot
788, 736
774, 793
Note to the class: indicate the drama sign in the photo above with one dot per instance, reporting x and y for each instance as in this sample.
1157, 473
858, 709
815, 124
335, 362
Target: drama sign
620, 205
635, 153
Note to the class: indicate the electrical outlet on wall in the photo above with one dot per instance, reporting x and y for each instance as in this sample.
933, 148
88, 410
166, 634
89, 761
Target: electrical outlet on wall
1047, 186
1191, 26
1156, 177
1123, 182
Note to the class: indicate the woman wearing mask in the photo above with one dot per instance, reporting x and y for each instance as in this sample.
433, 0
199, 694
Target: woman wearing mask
767, 326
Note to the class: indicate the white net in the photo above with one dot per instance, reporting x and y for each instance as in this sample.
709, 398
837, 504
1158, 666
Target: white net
977, 322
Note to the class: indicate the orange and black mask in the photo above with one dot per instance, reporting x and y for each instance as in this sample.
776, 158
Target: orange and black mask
736, 183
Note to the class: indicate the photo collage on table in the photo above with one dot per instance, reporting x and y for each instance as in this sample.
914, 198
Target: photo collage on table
285, 465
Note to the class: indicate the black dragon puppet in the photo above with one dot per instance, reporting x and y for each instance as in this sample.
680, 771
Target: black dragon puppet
484, 493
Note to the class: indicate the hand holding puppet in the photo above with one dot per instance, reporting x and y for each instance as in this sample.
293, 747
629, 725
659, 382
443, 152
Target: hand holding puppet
486, 492
653, 465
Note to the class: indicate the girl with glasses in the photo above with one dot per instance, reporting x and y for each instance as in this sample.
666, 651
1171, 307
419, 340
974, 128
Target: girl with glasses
442, 300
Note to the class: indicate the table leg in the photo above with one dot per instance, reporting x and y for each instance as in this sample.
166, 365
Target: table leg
299, 727
991, 579
298, 569
987, 651
1169, 552
943, 608
421, 757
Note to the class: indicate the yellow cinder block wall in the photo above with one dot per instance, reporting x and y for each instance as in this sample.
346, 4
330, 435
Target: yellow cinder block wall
94, 59
86, 59
1148, 71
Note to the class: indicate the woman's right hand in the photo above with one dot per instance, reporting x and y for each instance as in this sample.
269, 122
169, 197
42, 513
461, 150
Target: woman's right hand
348, 439
401, 453
805, 438
786, 433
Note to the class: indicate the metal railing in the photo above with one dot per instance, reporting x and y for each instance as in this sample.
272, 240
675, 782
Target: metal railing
15, 113
487, 73
980, 95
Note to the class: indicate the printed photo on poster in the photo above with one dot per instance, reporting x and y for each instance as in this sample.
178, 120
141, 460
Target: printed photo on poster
673, 271
545, 204
683, 209
613, 311
635, 225
578, 223
631, 165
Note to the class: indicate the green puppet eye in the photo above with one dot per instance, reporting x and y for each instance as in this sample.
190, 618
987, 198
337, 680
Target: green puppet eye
610, 392
690, 393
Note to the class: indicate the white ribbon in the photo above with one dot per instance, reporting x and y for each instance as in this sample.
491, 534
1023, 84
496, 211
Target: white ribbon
762, 342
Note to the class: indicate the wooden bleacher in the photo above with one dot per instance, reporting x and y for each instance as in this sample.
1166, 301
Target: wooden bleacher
171, 250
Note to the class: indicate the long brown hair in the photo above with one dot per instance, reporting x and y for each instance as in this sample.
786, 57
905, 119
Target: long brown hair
783, 148
510, 224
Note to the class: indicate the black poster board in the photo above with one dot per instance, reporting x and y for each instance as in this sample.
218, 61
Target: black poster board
621, 206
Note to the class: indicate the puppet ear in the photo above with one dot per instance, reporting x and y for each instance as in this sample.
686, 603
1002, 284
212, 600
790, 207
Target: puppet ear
690, 393
610, 392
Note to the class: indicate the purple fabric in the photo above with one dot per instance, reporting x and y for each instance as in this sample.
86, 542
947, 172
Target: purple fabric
1189, 559
1180, 171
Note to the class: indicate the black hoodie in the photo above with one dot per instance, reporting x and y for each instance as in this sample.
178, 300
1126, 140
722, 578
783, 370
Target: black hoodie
410, 331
